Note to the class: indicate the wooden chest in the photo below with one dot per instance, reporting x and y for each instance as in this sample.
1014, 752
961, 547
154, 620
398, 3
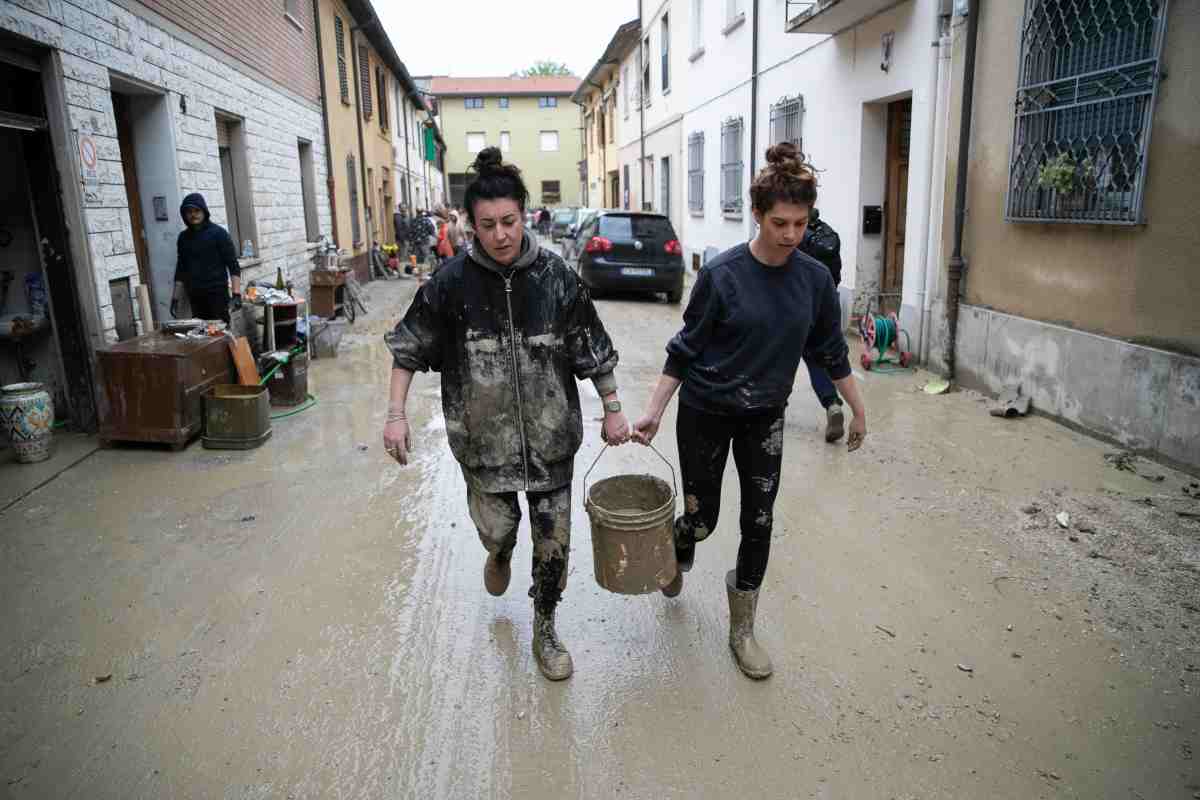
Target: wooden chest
152, 386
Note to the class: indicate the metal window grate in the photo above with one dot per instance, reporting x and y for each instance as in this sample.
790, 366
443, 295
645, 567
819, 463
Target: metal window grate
786, 118
352, 185
1088, 78
339, 35
364, 75
731, 166
696, 171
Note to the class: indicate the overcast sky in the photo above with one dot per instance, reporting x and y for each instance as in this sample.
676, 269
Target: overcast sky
475, 38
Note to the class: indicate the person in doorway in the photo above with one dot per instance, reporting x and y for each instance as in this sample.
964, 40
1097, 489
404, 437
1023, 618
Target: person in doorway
511, 329
206, 264
755, 311
822, 243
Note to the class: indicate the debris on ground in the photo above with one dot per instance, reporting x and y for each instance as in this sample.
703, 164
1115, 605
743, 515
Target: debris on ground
1010, 403
1064, 519
1032, 508
885, 630
937, 386
1125, 461
103, 678
249, 518
966, 668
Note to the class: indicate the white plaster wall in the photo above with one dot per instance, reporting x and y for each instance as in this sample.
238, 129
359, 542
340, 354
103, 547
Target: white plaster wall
664, 112
96, 36
407, 142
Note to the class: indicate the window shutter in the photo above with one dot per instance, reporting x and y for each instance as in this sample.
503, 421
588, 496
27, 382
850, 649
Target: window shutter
364, 76
339, 34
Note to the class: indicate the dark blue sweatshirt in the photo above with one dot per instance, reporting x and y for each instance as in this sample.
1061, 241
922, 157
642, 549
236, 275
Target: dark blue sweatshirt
746, 328
206, 256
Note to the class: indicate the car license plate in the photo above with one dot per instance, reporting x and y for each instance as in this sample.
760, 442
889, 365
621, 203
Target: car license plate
637, 272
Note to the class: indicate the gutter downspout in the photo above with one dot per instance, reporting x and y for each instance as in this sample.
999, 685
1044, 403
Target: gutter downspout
937, 198
753, 102
362, 150
329, 185
955, 267
641, 110
935, 74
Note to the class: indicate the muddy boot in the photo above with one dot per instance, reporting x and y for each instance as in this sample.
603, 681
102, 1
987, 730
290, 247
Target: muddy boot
835, 423
752, 659
553, 659
685, 548
497, 571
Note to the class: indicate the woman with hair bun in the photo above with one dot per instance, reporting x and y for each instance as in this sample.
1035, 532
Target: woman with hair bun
755, 312
511, 329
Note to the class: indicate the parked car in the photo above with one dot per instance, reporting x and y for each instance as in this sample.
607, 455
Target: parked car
630, 251
562, 221
570, 238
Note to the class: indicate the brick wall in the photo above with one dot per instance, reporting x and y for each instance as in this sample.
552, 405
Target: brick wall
274, 121
256, 33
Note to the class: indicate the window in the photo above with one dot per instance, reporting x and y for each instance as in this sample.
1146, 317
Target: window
308, 184
644, 58
697, 24
547, 102
364, 77
786, 116
291, 9
473, 102
339, 36
625, 198
731, 166
665, 174
381, 89
666, 54
352, 185
235, 180
621, 227
476, 142
505, 141
1084, 107
648, 186
625, 89
696, 173
503, 102
600, 136
550, 193
612, 115
549, 141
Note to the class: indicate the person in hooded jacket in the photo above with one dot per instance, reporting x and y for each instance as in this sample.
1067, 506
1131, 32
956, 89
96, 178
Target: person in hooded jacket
206, 264
822, 243
511, 329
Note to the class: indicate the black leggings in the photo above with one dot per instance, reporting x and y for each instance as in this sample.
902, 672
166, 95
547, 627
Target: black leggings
704, 443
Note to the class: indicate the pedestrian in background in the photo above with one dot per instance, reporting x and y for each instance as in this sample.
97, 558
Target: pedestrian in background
206, 264
755, 311
454, 232
400, 227
511, 330
822, 243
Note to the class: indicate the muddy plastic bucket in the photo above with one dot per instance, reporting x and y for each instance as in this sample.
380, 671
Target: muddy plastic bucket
633, 519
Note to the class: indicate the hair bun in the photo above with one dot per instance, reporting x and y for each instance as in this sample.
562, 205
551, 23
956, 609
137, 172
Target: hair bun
786, 156
488, 161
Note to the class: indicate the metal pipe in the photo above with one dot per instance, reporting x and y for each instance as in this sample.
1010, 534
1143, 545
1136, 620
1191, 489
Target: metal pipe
753, 92
642, 65
955, 267
329, 184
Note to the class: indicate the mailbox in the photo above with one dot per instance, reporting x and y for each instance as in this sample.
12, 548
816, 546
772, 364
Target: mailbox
872, 220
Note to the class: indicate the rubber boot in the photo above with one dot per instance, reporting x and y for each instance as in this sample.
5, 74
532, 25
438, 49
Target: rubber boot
684, 558
751, 658
835, 423
497, 571
553, 659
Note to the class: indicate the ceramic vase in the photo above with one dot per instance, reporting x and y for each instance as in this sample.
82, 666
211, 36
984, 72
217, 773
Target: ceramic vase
27, 417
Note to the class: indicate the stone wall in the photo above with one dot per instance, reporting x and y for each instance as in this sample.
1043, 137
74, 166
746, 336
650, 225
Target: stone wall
96, 38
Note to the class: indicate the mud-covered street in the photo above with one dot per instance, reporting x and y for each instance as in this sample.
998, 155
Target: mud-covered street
307, 620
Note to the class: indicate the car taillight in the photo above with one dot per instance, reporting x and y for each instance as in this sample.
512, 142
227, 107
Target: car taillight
673, 248
598, 244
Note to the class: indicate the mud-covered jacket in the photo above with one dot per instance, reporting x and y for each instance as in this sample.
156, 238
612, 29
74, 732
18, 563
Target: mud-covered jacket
509, 344
822, 243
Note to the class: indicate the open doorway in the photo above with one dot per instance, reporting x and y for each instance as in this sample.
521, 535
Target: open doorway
883, 190
146, 139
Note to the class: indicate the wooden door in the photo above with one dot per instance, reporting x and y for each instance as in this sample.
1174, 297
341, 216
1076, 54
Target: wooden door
896, 203
132, 193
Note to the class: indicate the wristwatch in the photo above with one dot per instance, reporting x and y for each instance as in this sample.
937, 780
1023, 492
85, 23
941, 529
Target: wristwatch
612, 407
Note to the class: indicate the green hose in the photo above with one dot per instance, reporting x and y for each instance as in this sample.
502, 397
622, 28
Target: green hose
309, 403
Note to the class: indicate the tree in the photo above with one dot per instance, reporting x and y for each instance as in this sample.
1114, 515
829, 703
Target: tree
541, 69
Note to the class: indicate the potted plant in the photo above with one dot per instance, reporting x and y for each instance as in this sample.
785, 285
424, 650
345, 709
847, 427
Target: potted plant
1070, 180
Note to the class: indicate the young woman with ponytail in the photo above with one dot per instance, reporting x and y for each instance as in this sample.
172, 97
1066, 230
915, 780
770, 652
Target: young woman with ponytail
755, 312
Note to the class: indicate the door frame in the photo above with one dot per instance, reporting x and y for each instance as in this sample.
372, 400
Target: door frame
897, 160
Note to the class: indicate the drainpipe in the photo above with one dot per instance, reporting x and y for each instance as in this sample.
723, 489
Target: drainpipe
937, 201
641, 109
753, 97
955, 267
325, 121
928, 261
362, 150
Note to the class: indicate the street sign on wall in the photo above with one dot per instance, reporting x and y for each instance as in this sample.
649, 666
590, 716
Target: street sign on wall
88, 160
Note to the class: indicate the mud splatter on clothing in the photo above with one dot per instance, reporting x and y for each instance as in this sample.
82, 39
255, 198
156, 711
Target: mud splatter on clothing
510, 345
704, 444
497, 516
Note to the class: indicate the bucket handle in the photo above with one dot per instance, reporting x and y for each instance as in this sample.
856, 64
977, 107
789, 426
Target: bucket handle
588, 474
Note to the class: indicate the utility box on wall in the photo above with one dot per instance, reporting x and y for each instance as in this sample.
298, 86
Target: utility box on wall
872, 220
